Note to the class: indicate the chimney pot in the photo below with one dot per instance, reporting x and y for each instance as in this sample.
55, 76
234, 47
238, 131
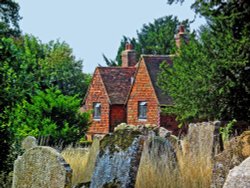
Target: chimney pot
181, 28
181, 35
128, 56
129, 46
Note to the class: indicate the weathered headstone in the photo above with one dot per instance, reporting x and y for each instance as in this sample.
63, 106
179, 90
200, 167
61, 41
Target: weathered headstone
164, 133
118, 160
239, 176
158, 159
41, 167
29, 142
200, 135
238, 149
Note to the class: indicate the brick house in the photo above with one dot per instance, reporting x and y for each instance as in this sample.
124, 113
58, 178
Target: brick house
129, 93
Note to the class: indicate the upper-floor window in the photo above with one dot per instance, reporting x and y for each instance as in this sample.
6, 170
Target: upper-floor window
97, 110
142, 110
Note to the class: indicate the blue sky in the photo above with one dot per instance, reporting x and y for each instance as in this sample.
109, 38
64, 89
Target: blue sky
95, 27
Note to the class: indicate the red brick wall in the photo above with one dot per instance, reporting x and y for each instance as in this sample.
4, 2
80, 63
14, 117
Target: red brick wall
117, 116
142, 91
97, 93
169, 123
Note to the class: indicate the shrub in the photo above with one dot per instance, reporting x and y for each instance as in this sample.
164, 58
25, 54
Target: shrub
50, 114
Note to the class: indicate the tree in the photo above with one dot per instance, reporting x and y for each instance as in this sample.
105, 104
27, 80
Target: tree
60, 69
26, 66
9, 17
118, 60
153, 38
210, 77
49, 114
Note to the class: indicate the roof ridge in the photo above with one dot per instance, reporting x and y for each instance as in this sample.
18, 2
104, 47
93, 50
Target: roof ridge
156, 55
117, 67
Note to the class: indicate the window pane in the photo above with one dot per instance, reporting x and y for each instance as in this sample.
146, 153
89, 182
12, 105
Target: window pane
142, 110
97, 110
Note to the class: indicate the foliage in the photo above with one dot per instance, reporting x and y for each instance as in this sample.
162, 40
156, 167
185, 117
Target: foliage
118, 60
227, 130
9, 17
210, 77
50, 114
153, 38
60, 69
27, 66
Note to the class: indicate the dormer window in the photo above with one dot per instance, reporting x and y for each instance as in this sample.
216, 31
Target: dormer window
97, 110
142, 110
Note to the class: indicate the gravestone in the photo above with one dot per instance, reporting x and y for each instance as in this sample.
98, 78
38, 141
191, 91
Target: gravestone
118, 159
200, 135
239, 176
41, 166
29, 142
238, 149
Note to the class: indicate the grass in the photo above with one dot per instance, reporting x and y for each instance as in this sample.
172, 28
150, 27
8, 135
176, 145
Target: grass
81, 161
77, 158
193, 171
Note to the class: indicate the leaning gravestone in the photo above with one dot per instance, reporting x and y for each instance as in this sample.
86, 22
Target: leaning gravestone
239, 176
41, 166
118, 159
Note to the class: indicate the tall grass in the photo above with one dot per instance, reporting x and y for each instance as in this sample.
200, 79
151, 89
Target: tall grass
77, 158
82, 161
192, 171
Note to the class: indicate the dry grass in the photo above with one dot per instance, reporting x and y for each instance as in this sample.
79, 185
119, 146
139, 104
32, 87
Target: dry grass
193, 171
77, 158
94, 149
82, 161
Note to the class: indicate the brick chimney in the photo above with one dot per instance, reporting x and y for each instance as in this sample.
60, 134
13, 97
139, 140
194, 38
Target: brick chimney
181, 35
129, 56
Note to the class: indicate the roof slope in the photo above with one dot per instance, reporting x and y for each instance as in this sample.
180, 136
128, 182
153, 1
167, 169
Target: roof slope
117, 81
153, 66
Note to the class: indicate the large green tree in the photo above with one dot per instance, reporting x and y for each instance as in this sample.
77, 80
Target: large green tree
27, 66
9, 17
60, 69
153, 38
210, 77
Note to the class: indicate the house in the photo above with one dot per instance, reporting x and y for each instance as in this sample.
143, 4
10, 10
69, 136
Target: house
129, 93
145, 99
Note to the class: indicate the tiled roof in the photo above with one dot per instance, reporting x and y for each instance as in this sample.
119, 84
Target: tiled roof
117, 81
153, 66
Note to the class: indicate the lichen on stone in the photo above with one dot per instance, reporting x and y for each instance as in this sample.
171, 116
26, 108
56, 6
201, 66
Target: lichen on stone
120, 141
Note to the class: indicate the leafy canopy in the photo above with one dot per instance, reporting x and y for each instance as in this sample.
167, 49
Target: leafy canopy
153, 38
9, 17
210, 77
49, 114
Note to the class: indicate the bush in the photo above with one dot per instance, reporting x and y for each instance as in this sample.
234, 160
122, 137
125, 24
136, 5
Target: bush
49, 114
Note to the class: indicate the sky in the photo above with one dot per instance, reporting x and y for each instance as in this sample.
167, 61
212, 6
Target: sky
95, 27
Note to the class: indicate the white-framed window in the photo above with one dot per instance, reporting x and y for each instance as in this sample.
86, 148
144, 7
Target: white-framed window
142, 110
97, 110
